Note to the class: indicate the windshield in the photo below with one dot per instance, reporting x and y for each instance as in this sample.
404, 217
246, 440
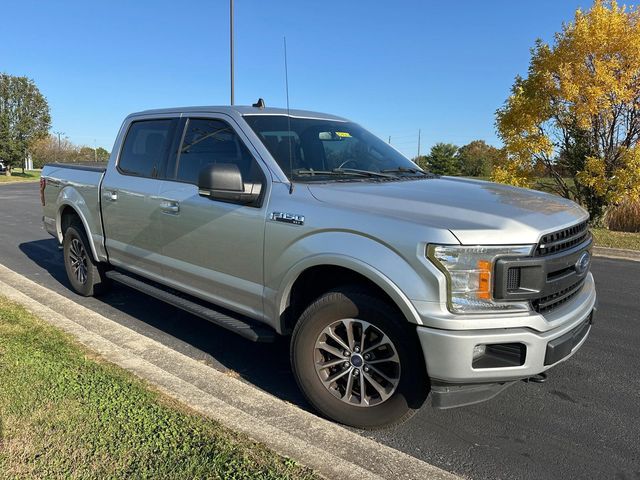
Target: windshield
314, 149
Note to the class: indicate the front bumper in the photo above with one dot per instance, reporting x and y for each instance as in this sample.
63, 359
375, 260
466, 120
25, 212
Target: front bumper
449, 353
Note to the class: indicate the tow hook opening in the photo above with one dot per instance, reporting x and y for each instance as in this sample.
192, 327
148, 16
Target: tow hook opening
539, 378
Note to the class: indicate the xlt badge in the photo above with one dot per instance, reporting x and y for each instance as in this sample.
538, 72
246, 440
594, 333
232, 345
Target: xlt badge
291, 218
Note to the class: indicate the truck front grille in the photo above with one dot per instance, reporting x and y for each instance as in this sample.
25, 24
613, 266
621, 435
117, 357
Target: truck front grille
553, 301
561, 240
553, 276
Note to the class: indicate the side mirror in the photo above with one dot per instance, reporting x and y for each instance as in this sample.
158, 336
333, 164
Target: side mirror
223, 181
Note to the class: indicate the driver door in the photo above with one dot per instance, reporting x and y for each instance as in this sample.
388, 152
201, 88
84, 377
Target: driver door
213, 249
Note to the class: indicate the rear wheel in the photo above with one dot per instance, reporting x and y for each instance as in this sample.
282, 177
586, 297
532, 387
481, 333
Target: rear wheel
357, 360
85, 274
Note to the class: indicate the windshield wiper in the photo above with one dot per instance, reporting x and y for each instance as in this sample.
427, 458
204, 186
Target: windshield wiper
343, 171
369, 173
405, 170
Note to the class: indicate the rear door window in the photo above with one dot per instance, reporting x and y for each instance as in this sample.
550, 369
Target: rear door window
146, 147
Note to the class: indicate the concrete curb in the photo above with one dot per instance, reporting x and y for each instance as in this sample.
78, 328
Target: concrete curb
617, 253
327, 448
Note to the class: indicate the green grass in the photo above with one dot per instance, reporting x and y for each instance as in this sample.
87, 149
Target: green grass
608, 238
66, 414
18, 176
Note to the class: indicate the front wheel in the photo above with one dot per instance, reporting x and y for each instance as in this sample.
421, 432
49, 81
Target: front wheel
358, 361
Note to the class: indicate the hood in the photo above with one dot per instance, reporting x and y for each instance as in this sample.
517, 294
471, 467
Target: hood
476, 212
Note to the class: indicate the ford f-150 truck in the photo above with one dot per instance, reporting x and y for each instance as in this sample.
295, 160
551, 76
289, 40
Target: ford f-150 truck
392, 283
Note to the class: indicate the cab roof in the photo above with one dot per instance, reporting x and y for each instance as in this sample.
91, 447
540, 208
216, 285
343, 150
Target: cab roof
243, 110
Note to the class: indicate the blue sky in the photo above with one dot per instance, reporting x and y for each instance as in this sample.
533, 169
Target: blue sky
394, 67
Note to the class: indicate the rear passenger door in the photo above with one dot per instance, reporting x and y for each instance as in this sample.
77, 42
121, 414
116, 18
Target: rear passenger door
214, 249
130, 202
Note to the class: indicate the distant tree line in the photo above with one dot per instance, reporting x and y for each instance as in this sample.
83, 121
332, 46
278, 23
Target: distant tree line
476, 159
24, 125
49, 149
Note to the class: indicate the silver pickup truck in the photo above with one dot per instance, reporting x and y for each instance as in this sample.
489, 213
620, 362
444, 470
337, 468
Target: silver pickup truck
391, 282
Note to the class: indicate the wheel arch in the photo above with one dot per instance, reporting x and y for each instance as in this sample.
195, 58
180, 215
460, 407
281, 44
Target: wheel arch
312, 277
66, 213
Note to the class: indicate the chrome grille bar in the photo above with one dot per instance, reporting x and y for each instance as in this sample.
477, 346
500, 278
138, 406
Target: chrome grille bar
562, 239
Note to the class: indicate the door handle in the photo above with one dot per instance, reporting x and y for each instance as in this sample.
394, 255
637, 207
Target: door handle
111, 195
170, 206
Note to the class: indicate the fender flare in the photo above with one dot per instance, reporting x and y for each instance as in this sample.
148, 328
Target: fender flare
61, 206
366, 270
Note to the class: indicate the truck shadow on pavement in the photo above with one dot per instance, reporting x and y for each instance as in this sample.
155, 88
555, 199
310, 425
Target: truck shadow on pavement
265, 366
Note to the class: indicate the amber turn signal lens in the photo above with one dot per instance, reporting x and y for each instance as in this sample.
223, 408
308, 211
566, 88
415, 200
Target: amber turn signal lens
484, 280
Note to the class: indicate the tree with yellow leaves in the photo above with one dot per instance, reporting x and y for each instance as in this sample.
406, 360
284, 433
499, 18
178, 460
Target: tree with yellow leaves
578, 110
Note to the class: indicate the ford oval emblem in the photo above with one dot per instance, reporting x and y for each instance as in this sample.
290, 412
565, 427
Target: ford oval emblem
582, 265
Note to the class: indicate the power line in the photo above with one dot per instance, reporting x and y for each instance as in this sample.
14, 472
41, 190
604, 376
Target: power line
59, 134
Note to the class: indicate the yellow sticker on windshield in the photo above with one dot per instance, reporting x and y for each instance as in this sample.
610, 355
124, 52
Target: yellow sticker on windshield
343, 134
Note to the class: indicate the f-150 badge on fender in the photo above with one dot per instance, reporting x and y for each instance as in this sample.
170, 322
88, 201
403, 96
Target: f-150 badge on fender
292, 218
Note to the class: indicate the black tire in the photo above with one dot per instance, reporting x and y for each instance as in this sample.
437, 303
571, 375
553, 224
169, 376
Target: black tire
354, 303
77, 255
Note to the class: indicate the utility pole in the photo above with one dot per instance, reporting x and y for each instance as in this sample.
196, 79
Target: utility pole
231, 44
419, 132
59, 134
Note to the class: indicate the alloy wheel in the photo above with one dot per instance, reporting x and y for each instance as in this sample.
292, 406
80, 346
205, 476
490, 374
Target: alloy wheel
79, 260
357, 362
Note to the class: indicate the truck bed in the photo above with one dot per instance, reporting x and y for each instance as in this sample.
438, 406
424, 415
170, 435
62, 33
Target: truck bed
78, 186
89, 166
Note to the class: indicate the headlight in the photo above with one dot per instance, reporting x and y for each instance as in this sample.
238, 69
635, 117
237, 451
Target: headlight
469, 272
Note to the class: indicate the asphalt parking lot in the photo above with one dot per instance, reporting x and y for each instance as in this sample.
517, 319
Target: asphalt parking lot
583, 422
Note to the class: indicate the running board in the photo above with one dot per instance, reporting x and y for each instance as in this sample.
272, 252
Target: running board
242, 326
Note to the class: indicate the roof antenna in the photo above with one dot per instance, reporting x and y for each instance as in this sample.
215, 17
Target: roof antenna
259, 104
286, 80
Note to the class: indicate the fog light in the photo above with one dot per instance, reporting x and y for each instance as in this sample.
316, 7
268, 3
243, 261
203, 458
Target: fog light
499, 355
479, 350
